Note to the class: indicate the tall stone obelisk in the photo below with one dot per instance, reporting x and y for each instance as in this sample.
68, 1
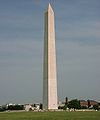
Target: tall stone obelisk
49, 68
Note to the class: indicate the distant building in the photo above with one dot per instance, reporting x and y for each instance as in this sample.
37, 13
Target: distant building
84, 103
92, 103
28, 107
88, 103
37, 106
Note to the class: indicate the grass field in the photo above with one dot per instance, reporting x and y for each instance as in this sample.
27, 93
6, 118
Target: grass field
95, 115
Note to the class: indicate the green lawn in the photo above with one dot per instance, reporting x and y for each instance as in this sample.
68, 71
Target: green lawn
50, 115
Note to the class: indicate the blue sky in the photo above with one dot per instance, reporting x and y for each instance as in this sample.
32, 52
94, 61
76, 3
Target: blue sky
77, 24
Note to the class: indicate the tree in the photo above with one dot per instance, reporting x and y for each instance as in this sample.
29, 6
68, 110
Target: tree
41, 106
66, 100
96, 107
66, 103
2, 109
89, 105
61, 107
15, 107
74, 104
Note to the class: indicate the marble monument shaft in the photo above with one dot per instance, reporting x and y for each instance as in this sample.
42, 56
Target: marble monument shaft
49, 68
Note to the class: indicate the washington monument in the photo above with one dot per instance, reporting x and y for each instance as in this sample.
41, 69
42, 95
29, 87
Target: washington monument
49, 67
